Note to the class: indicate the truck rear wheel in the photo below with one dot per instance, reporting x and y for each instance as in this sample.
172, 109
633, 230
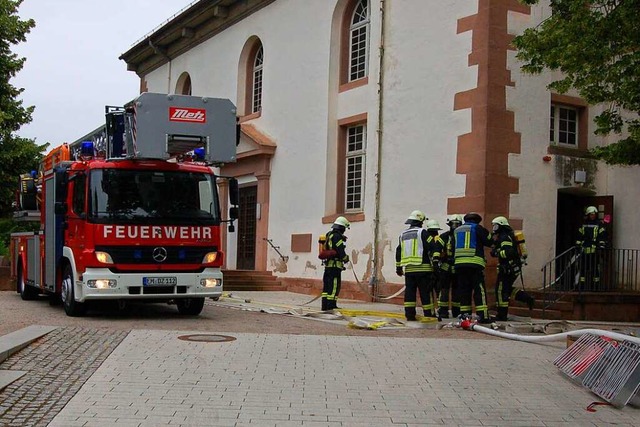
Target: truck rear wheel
68, 295
26, 292
190, 306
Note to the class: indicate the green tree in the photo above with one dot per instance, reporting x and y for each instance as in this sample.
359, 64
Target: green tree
17, 155
596, 46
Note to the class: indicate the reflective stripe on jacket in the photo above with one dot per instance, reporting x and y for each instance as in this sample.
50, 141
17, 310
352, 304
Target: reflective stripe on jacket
412, 251
470, 241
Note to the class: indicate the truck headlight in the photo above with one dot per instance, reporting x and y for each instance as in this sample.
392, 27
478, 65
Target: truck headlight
210, 257
210, 283
104, 257
102, 283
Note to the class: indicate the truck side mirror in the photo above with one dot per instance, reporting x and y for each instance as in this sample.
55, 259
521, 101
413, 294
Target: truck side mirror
233, 213
234, 192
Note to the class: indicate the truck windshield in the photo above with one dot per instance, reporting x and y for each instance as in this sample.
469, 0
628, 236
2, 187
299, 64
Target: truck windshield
119, 196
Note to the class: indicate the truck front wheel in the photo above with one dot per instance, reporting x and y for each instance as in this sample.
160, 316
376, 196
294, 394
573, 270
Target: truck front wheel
71, 306
190, 306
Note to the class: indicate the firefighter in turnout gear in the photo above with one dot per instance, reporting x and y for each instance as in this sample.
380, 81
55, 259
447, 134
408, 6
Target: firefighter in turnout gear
436, 249
335, 240
446, 276
412, 261
509, 267
471, 238
592, 237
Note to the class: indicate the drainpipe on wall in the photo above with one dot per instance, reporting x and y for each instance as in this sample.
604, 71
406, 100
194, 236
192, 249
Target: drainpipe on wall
376, 220
161, 52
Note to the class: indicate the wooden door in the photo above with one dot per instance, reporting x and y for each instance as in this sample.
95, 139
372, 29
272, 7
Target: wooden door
247, 228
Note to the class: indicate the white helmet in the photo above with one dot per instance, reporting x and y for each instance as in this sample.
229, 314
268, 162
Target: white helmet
500, 220
455, 218
342, 222
433, 224
416, 216
591, 210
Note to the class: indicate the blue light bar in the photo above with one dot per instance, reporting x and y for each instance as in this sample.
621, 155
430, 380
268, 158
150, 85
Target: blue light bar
198, 154
86, 150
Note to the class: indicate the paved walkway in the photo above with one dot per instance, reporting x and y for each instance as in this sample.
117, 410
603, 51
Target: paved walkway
155, 378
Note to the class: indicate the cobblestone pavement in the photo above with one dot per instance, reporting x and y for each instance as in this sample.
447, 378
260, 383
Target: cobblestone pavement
57, 366
153, 378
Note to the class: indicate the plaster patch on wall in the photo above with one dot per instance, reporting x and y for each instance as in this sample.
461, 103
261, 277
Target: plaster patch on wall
279, 265
567, 166
368, 250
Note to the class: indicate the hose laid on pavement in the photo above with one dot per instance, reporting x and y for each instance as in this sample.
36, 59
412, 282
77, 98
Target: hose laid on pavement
555, 337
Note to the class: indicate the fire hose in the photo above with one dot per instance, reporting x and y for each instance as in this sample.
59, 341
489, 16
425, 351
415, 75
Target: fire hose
554, 337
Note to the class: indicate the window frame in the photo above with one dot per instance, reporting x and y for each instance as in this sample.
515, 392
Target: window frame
257, 80
345, 81
351, 190
342, 163
354, 29
555, 128
581, 107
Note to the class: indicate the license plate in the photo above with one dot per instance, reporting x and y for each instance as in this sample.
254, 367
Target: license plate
159, 281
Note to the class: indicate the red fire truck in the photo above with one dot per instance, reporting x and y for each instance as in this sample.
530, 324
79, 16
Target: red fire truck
131, 211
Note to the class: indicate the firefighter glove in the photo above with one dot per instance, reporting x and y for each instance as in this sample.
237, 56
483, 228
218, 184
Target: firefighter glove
399, 271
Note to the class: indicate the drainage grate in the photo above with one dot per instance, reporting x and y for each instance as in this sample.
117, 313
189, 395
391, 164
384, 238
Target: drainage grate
206, 338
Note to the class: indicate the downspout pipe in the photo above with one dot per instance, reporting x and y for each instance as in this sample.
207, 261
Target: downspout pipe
159, 51
376, 220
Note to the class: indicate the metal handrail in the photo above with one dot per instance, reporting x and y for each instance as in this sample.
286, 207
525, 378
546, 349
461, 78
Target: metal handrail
275, 248
577, 271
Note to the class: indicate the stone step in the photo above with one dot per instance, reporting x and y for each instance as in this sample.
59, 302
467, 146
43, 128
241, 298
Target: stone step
537, 313
250, 280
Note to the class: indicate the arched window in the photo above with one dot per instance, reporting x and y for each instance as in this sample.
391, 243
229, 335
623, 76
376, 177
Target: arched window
183, 85
359, 41
250, 78
256, 81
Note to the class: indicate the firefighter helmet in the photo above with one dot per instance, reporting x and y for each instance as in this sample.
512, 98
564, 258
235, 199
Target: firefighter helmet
341, 222
591, 210
417, 216
433, 224
473, 217
500, 220
455, 218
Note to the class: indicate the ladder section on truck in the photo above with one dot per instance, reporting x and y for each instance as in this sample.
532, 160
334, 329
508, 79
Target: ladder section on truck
161, 126
165, 126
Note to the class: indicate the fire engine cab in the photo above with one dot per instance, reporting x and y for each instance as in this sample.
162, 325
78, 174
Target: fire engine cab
131, 211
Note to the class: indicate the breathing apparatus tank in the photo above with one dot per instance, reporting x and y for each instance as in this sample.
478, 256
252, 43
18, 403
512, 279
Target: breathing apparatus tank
520, 244
324, 252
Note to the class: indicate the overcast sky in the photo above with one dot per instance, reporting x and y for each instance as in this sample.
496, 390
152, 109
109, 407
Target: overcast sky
72, 69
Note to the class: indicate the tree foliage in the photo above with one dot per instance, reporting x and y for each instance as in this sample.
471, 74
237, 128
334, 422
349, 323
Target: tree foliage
596, 46
17, 155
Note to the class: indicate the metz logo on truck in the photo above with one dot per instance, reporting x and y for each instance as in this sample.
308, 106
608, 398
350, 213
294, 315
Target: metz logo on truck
189, 115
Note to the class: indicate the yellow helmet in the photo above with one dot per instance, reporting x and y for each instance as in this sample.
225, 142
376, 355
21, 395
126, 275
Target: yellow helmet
591, 210
500, 220
416, 216
455, 218
341, 222
433, 224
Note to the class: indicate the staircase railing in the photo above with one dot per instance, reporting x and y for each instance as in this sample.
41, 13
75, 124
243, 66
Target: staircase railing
606, 270
276, 248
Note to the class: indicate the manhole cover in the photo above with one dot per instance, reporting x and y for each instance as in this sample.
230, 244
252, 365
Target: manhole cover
207, 338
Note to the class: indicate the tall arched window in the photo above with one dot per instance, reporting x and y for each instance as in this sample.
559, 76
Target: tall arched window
359, 41
256, 86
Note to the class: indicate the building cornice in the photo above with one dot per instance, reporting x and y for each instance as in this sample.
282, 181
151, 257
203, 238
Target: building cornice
191, 27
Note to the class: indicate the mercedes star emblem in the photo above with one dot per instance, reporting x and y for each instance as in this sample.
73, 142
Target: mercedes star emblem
159, 254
